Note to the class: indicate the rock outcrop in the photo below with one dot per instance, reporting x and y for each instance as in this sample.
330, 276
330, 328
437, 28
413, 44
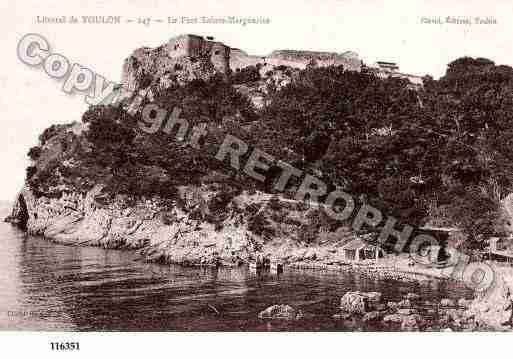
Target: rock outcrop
187, 233
359, 302
493, 307
281, 311
408, 314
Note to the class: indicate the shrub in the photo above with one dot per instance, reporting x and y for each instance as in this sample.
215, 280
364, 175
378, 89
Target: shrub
49, 133
34, 153
261, 226
280, 67
31, 171
218, 203
246, 75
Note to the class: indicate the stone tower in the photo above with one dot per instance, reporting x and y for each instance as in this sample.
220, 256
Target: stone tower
220, 56
185, 45
197, 46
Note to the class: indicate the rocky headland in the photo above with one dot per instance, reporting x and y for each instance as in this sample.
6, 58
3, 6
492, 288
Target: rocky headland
72, 197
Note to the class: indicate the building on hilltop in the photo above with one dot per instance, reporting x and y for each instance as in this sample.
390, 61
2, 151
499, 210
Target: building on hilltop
197, 46
387, 66
225, 58
301, 59
183, 58
187, 57
385, 69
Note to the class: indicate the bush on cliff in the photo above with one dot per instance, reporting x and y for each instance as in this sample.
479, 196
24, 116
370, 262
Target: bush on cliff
206, 101
34, 153
402, 148
50, 132
246, 75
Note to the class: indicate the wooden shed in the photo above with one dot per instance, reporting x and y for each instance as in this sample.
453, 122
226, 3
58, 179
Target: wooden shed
357, 250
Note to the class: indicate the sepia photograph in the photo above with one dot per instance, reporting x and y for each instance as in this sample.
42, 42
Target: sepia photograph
193, 168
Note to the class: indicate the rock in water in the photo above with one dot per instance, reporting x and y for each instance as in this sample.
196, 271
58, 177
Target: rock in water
411, 322
393, 318
447, 303
371, 317
493, 307
281, 311
406, 311
412, 296
392, 305
359, 302
354, 302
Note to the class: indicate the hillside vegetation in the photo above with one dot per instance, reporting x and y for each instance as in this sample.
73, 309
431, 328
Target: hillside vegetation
439, 155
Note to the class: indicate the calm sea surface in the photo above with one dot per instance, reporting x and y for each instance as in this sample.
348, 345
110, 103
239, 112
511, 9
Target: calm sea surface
48, 286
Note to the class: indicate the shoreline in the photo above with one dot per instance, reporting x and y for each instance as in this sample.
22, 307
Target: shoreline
376, 270
184, 236
395, 267
488, 312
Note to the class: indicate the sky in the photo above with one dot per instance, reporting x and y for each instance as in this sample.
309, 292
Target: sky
377, 30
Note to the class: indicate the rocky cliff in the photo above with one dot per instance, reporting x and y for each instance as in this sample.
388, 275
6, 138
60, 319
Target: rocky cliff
189, 233
68, 195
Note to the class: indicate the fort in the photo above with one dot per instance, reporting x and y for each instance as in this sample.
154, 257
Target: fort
225, 58
186, 57
384, 69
